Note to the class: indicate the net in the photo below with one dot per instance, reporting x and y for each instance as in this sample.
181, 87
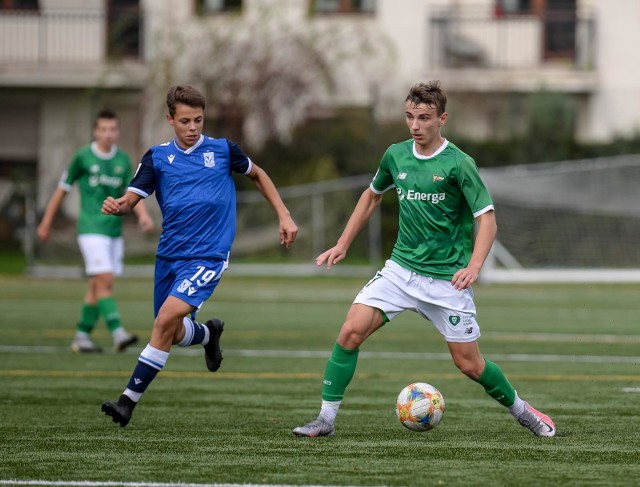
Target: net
566, 221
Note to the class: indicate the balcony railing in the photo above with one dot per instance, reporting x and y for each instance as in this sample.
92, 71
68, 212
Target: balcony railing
64, 37
485, 41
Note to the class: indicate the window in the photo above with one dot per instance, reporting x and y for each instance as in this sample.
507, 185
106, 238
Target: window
18, 4
513, 7
558, 18
214, 6
343, 6
123, 28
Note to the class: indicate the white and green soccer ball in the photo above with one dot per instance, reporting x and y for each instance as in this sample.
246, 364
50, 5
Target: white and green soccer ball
420, 406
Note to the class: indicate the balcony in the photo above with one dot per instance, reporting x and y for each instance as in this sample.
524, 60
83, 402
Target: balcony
476, 47
64, 48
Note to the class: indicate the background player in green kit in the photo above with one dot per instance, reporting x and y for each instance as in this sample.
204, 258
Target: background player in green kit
100, 169
433, 264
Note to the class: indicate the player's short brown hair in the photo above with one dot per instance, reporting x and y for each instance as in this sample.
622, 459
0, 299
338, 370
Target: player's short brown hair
430, 93
185, 94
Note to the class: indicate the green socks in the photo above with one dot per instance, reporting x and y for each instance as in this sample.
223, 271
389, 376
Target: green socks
338, 373
109, 311
496, 384
88, 318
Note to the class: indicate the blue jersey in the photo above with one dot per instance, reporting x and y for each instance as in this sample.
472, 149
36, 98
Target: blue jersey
196, 194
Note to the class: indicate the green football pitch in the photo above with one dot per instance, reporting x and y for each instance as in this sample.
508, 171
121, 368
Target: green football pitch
571, 351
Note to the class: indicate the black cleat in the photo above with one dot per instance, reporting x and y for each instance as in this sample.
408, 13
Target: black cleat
119, 411
126, 342
212, 352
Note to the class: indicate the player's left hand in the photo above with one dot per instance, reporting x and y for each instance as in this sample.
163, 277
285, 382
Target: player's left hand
288, 231
464, 278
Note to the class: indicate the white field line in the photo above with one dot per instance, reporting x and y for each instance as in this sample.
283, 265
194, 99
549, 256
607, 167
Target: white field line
313, 354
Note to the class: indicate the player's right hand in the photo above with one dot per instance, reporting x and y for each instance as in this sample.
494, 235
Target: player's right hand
331, 256
110, 206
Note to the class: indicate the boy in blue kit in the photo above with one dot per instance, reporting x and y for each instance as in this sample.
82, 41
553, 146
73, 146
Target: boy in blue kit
192, 179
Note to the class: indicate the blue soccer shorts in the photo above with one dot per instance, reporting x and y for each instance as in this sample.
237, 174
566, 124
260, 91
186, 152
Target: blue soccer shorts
192, 281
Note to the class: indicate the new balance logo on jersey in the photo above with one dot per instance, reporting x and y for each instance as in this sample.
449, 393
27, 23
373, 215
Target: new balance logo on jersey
209, 160
402, 175
171, 158
431, 197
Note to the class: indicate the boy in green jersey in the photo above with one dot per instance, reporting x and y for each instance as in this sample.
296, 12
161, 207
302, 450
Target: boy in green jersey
100, 169
433, 264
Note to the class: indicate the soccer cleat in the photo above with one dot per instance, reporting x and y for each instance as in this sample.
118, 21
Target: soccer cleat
317, 427
84, 345
212, 352
119, 411
124, 342
539, 424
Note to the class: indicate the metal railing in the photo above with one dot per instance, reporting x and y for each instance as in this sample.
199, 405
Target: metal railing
56, 37
478, 39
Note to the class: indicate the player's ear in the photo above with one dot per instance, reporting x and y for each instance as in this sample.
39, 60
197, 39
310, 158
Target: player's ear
170, 119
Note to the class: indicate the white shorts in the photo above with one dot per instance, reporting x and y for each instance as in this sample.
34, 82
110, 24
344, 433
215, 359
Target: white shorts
395, 289
102, 254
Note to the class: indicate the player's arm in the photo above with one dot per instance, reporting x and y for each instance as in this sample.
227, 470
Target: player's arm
264, 184
141, 186
486, 234
144, 218
44, 228
365, 207
121, 206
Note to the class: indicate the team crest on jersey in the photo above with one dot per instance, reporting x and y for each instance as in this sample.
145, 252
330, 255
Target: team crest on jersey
209, 161
437, 177
94, 168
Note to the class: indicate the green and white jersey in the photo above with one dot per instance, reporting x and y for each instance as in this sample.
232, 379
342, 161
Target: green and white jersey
98, 176
439, 196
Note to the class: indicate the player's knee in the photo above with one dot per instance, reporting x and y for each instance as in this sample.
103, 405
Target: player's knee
469, 368
351, 336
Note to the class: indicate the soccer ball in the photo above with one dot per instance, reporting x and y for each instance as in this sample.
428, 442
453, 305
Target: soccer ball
420, 406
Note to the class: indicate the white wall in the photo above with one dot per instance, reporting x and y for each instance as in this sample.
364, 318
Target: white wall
615, 107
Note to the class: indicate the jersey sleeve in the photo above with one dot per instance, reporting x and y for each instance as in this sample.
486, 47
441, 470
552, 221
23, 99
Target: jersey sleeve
383, 180
473, 188
240, 162
71, 174
144, 179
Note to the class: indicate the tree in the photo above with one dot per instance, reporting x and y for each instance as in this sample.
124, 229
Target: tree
268, 69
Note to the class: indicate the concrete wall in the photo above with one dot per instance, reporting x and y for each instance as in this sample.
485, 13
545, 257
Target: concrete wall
615, 107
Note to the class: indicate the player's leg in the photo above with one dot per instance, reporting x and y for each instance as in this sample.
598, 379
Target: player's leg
379, 301
453, 313
489, 375
90, 313
82, 342
103, 258
196, 282
361, 321
107, 304
152, 359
